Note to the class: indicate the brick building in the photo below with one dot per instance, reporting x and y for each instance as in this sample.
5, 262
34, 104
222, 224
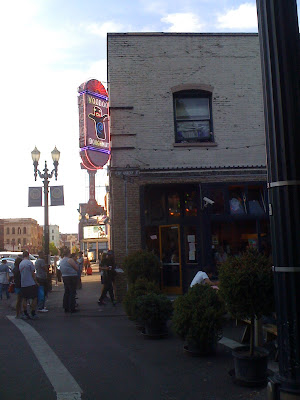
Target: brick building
187, 170
22, 234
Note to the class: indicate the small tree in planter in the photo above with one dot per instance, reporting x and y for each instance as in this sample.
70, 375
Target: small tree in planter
246, 285
137, 289
142, 264
198, 318
154, 310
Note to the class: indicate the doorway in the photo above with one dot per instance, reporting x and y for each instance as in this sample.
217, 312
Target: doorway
170, 255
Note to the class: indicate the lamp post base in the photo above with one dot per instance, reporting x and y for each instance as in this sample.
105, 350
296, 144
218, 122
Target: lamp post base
277, 389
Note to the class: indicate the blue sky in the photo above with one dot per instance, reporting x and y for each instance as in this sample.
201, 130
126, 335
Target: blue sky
49, 47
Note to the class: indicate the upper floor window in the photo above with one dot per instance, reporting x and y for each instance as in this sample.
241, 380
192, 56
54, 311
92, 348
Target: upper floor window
24, 230
193, 118
13, 231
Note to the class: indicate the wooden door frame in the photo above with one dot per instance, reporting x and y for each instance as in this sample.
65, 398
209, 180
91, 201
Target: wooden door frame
174, 289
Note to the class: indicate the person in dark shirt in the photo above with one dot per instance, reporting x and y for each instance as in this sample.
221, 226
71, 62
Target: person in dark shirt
107, 268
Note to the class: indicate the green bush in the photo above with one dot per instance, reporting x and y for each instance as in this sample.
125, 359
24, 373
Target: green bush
142, 264
154, 307
246, 285
139, 288
198, 316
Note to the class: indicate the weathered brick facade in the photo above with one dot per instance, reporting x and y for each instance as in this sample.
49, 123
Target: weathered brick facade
144, 70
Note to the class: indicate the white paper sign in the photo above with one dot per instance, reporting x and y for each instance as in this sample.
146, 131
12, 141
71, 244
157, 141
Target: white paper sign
192, 247
192, 256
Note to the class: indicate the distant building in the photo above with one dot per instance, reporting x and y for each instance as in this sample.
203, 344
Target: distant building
92, 229
1, 234
54, 235
69, 240
22, 234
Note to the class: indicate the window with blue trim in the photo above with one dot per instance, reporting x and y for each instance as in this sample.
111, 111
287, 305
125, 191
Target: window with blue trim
193, 117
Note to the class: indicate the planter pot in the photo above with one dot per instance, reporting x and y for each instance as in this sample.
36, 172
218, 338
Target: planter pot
250, 371
195, 350
155, 329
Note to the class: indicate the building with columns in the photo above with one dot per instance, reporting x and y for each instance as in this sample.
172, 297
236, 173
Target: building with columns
22, 234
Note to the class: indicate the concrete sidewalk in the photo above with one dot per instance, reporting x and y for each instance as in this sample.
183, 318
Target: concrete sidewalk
88, 306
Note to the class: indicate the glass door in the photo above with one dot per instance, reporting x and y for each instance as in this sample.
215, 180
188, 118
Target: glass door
170, 255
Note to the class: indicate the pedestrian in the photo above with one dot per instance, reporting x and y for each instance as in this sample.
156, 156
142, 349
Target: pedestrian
80, 266
204, 277
20, 303
4, 279
41, 277
107, 269
29, 285
69, 271
86, 264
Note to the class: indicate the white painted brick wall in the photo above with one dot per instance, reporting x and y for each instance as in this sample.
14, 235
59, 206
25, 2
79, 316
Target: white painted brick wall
142, 69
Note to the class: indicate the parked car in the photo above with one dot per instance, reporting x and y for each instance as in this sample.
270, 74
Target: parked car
10, 262
16, 254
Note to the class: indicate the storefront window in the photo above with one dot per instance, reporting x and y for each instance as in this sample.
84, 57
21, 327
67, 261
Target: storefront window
155, 208
217, 195
152, 239
232, 238
237, 200
174, 204
190, 203
190, 245
256, 200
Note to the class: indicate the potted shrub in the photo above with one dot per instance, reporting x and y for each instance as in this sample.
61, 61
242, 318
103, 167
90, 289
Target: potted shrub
137, 289
142, 264
246, 285
154, 310
198, 318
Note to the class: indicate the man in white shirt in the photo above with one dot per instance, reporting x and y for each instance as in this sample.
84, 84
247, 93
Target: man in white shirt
203, 277
29, 284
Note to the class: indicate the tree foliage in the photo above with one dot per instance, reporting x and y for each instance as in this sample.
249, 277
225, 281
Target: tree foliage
139, 288
246, 285
53, 249
198, 316
142, 264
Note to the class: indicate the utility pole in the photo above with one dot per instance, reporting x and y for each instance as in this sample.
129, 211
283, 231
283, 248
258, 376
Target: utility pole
280, 51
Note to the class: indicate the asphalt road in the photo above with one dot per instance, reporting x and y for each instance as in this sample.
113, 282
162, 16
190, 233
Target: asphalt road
108, 358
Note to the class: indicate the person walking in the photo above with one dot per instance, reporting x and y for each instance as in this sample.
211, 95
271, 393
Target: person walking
80, 268
41, 277
29, 285
4, 279
17, 280
69, 271
107, 269
86, 264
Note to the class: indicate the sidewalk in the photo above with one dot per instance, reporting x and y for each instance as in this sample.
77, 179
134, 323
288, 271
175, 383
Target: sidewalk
88, 306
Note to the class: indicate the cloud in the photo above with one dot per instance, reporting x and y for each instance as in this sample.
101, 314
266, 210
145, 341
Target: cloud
183, 22
243, 17
102, 29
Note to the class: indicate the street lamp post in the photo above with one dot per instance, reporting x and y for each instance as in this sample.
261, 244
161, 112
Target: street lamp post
46, 176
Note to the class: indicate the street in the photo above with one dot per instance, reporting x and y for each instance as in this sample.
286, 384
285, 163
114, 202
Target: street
99, 354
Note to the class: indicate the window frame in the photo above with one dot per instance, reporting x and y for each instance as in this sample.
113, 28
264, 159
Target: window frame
196, 93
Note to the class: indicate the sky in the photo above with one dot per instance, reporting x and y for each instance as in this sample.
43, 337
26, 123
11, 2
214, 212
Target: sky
50, 47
